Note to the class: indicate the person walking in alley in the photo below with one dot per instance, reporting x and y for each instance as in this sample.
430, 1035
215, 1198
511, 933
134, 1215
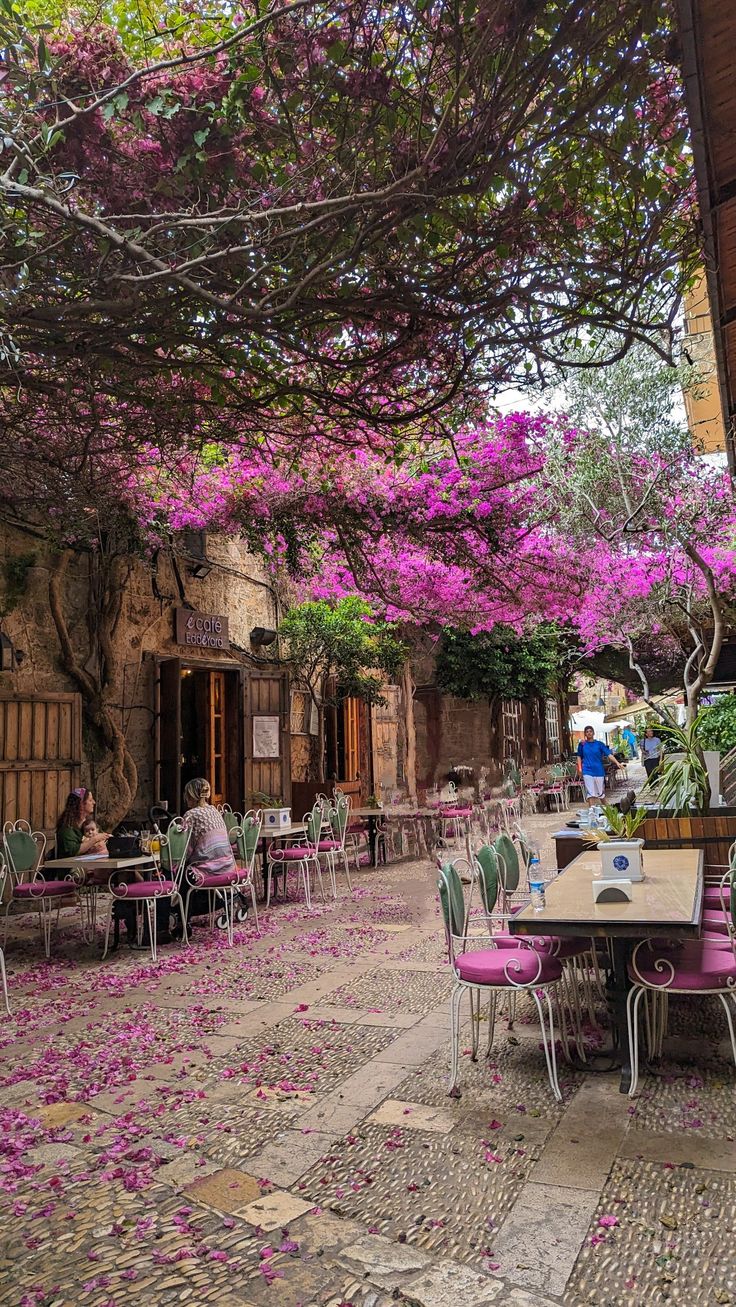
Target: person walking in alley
592, 756
651, 751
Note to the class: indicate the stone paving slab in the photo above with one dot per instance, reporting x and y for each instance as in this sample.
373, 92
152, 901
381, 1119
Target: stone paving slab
540, 1241
321, 1110
437, 1192
392, 991
659, 1232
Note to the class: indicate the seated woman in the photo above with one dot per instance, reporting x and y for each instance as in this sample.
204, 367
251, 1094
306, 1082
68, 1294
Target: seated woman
71, 840
210, 850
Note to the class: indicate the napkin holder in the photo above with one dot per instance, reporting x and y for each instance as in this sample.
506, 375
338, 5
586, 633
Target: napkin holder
621, 859
612, 891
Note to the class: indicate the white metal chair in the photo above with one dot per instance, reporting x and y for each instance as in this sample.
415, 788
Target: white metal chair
164, 883
333, 847
24, 850
492, 972
303, 858
247, 836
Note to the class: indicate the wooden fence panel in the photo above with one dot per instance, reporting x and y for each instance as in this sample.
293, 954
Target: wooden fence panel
713, 833
40, 755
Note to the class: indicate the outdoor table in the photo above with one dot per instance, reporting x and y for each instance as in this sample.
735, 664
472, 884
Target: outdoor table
374, 815
667, 903
90, 871
568, 845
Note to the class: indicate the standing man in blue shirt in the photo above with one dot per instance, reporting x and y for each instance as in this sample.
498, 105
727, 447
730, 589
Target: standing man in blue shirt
628, 735
591, 765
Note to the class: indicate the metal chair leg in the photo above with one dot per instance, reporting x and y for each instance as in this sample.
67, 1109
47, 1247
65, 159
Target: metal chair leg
549, 1047
151, 914
457, 994
4, 976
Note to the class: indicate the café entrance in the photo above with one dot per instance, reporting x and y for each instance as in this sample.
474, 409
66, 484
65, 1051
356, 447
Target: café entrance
205, 727
206, 715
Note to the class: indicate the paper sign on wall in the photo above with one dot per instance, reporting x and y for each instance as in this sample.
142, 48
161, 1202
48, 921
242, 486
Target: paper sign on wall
266, 737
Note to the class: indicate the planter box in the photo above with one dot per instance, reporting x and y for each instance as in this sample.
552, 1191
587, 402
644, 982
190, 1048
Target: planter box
276, 818
621, 859
713, 833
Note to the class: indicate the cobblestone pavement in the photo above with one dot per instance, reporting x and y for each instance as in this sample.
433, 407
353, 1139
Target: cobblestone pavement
268, 1126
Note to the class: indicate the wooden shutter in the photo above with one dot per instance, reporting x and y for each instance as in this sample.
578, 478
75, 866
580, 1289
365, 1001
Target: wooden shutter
40, 755
168, 734
267, 695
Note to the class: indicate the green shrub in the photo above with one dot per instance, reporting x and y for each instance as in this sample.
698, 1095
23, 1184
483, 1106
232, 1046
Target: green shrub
717, 724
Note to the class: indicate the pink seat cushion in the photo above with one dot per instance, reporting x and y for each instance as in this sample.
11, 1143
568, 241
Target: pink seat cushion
713, 920
143, 889
39, 889
712, 897
549, 945
696, 965
294, 854
456, 812
218, 880
505, 967
326, 846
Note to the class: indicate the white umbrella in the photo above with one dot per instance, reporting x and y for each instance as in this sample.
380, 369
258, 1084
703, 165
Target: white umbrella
580, 720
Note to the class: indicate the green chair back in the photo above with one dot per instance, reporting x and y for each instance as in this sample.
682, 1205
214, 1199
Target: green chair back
232, 820
504, 845
487, 861
248, 834
313, 823
452, 901
21, 851
339, 816
174, 845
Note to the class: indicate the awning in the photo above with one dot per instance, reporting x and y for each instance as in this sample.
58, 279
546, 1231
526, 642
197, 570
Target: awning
630, 710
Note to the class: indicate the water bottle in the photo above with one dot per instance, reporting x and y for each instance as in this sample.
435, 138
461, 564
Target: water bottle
536, 881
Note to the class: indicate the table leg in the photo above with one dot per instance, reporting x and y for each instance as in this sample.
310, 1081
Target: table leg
264, 869
618, 994
373, 840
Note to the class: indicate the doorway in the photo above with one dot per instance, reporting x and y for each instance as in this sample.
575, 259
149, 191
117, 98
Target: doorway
204, 729
200, 731
347, 748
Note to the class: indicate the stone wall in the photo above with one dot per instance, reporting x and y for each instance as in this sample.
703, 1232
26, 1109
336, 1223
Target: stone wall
236, 587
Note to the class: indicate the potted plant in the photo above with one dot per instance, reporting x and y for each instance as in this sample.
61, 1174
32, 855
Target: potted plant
681, 785
275, 815
620, 849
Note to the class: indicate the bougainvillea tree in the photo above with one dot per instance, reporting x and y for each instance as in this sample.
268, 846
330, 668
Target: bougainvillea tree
326, 216
282, 256
657, 529
523, 520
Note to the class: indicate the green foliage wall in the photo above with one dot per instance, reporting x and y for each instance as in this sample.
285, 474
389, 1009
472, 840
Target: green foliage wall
717, 725
499, 663
344, 641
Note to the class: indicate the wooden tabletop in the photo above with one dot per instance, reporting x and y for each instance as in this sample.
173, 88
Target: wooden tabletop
95, 862
668, 901
283, 832
396, 810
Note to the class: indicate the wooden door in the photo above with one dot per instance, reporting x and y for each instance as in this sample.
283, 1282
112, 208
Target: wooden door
267, 739
216, 752
351, 739
168, 734
40, 755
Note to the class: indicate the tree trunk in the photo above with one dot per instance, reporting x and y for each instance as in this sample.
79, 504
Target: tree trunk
410, 759
121, 781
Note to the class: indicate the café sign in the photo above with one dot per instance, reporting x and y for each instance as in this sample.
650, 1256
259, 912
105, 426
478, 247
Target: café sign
201, 630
